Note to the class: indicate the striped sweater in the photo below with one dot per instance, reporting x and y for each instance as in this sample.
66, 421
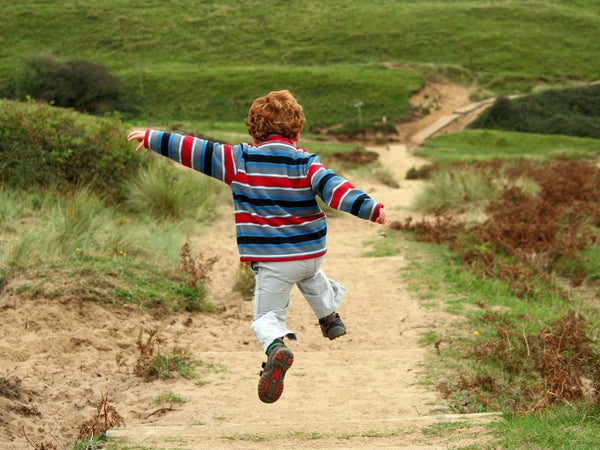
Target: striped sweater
274, 188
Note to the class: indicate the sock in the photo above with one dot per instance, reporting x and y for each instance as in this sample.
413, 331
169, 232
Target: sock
330, 318
272, 345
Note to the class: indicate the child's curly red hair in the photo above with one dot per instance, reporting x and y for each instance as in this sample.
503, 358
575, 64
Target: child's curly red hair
278, 112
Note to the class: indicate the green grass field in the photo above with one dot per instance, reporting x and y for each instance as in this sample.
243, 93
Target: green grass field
486, 145
191, 61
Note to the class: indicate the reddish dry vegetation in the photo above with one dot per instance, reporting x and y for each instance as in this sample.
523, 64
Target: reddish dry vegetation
357, 156
558, 364
526, 241
527, 236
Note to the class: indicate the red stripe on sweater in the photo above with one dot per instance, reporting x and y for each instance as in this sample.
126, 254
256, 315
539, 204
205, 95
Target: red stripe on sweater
282, 258
284, 182
228, 164
313, 169
146, 136
339, 193
376, 212
186, 151
275, 221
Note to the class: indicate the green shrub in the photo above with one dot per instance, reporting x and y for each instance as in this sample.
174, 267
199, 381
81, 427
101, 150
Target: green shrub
153, 364
78, 84
571, 112
45, 146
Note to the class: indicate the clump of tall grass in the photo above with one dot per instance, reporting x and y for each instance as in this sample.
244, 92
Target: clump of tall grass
163, 191
10, 207
458, 190
386, 177
68, 226
75, 220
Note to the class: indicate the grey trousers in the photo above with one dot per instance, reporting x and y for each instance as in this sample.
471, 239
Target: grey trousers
274, 282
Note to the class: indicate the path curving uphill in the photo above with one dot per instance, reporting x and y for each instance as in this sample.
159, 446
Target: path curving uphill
364, 390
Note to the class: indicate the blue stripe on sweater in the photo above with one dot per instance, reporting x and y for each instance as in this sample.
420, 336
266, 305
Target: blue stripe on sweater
324, 182
281, 233
296, 198
213, 163
267, 164
171, 139
318, 245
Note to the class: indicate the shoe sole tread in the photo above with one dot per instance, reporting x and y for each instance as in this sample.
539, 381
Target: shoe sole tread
270, 384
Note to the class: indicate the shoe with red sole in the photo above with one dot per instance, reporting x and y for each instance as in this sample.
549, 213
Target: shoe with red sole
270, 384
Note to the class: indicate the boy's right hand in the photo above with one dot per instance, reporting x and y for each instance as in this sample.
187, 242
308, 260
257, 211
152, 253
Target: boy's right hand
381, 219
137, 135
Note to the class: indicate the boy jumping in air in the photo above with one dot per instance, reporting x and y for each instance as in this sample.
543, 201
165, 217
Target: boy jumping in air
281, 231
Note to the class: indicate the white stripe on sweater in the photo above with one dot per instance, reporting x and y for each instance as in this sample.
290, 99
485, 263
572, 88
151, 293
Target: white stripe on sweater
272, 175
279, 188
179, 150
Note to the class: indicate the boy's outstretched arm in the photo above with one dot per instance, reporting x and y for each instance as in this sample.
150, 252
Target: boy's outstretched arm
339, 193
211, 158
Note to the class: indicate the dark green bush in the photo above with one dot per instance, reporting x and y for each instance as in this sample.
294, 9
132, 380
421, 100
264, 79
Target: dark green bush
43, 146
77, 84
571, 112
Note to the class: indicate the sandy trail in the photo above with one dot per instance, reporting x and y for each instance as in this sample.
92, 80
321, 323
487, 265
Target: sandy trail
363, 390
366, 382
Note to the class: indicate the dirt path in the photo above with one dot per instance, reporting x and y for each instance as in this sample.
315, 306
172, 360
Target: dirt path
363, 390
359, 391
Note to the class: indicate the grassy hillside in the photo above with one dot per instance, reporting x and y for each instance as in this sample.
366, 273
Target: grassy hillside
192, 63
328, 94
185, 60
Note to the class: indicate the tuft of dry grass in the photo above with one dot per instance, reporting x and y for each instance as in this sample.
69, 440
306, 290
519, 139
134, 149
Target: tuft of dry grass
196, 267
245, 281
106, 417
148, 350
